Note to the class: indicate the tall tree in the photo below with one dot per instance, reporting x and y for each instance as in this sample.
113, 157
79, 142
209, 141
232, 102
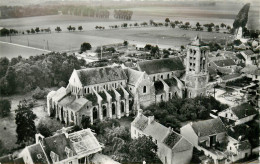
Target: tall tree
4, 63
24, 120
242, 17
5, 106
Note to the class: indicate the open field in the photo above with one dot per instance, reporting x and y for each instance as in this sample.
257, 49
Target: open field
163, 36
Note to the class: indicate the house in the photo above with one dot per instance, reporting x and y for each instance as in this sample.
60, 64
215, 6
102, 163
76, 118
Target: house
62, 148
225, 66
251, 71
251, 58
240, 114
205, 136
172, 147
238, 146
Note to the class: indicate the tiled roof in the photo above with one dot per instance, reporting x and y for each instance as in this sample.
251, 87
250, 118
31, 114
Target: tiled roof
208, 127
244, 145
59, 94
227, 77
182, 145
172, 139
129, 64
140, 122
57, 144
92, 76
156, 130
37, 154
249, 69
67, 100
78, 104
133, 76
240, 56
160, 65
249, 52
224, 63
243, 110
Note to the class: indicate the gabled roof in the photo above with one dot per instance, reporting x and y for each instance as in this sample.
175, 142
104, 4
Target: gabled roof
57, 144
160, 65
37, 153
243, 110
156, 130
172, 139
133, 76
99, 75
232, 76
249, 52
140, 122
59, 94
208, 127
77, 104
67, 100
225, 62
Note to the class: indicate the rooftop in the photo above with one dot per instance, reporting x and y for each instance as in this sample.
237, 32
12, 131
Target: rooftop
133, 76
92, 76
84, 142
237, 131
243, 110
224, 63
208, 127
172, 139
249, 52
160, 65
37, 154
78, 104
156, 130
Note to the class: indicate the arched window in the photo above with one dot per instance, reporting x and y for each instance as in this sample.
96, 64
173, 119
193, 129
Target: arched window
95, 113
113, 109
162, 76
161, 97
88, 90
122, 107
144, 89
168, 76
72, 116
104, 111
154, 78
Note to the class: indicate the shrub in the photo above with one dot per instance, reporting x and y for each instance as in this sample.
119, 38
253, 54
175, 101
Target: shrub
38, 93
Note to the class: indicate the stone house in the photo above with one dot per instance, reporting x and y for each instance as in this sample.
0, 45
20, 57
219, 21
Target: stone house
239, 114
172, 147
225, 66
251, 58
62, 148
205, 136
238, 146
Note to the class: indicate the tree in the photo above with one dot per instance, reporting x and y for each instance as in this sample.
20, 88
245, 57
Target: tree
125, 43
151, 22
80, 28
85, 122
73, 28
10, 78
5, 106
209, 29
143, 149
32, 31
28, 31
24, 120
222, 25
58, 29
172, 25
242, 17
37, 29
44, 130
85, 46
4, 63
167, 20
69, 28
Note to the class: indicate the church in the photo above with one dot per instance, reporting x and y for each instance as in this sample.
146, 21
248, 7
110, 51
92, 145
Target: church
114, 92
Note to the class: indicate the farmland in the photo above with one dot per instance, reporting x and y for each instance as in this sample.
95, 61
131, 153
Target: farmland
163, 36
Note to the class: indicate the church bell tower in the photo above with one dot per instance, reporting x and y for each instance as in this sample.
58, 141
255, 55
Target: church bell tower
196, 68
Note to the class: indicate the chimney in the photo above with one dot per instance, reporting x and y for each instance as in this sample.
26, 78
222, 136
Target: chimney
150, 119
139, 112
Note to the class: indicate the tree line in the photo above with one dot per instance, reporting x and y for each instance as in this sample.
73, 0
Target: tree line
46, 70
40, 10
123, 14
